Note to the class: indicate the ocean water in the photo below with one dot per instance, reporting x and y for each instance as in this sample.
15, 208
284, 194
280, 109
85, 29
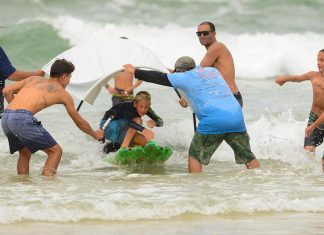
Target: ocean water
88, 195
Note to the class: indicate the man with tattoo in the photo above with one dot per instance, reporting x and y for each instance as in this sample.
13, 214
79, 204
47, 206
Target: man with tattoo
24, 132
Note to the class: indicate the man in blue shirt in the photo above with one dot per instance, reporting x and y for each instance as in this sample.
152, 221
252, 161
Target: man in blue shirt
7, 71
219, 113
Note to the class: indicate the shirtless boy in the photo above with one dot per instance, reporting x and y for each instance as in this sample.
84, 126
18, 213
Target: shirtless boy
315, 138
218, 56
24, 132
123, 88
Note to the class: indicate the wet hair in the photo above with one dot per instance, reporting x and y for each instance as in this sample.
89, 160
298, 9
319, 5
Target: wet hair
321, 50
61, 67
142, 95
211, 25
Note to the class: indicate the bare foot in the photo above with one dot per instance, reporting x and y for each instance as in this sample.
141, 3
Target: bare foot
253, 164
309, 154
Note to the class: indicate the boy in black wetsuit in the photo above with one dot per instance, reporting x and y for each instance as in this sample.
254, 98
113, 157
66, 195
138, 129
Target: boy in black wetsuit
126, 125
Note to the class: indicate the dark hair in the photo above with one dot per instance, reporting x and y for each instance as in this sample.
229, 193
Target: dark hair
321, 50
211, 25
60, 67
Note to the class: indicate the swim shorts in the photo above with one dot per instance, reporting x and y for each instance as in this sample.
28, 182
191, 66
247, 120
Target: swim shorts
203, 146
116, 130
239, 98
24, 130
316, 137
120, 97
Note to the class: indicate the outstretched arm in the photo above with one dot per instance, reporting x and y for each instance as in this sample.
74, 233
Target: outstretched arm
81, 123
294, 78
20, 75
149, 76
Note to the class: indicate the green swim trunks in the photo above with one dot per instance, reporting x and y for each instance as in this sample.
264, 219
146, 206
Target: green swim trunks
203, 146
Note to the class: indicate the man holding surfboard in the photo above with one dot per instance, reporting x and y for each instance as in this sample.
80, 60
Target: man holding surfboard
220, 115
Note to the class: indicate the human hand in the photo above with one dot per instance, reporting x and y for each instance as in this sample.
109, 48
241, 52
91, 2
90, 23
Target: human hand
150, 123
309, 130
183, 102
129, 68
149, 135
40, 72
281, 80
110, 89
99, 134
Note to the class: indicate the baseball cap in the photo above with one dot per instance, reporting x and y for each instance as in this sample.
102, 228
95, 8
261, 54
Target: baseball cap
184, 63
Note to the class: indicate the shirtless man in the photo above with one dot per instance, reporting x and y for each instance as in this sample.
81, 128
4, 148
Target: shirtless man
315, 138
123, 89
218, 56
24, 132
9, 72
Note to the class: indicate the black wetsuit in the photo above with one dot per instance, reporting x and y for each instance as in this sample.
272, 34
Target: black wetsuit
127, 111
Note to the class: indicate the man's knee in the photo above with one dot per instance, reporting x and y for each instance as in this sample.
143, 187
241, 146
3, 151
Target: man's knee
55, 150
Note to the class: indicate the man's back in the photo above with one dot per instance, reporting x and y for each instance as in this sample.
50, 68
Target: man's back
211, 99
38, 93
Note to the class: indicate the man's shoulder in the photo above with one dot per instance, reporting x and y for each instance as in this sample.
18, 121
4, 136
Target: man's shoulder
36, 78
217, 45
313, 75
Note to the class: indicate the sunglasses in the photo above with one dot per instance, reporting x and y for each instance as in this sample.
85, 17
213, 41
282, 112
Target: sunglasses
205, 33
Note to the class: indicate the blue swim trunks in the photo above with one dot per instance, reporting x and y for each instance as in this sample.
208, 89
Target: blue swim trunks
24, 130
116, 130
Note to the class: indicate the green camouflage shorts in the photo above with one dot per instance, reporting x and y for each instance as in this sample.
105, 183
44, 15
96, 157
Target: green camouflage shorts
203, 146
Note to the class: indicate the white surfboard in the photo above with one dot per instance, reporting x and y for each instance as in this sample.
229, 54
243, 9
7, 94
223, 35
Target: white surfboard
97, 62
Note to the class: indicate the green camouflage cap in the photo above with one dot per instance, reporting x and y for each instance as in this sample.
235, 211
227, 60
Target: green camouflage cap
184, 63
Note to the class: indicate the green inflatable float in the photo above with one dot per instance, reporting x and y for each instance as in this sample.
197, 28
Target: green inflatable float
150, 153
